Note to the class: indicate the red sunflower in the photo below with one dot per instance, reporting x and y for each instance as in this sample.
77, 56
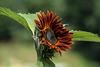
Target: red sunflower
53, 33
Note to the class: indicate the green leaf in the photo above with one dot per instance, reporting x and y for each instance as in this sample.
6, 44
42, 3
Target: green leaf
27, 20
11, 14
30, 20
85, 36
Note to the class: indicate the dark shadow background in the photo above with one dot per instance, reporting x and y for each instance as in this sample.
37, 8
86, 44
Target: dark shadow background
79, 14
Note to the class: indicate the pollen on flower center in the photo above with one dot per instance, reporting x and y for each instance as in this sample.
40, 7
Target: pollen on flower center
50, 36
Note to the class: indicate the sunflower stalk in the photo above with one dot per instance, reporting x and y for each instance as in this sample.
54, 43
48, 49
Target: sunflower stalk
44, 62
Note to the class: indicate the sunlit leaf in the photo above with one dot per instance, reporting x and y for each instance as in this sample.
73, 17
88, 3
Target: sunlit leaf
30, 20
85, 36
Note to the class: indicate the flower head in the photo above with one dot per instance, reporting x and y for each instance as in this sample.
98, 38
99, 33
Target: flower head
53, 33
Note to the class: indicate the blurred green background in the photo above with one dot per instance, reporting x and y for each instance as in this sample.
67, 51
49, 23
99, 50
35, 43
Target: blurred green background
17, 45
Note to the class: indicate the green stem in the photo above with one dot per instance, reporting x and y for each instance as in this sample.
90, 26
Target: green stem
44, 62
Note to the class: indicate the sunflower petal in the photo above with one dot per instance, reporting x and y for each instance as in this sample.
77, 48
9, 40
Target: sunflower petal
51, 15
59, 20
42, 14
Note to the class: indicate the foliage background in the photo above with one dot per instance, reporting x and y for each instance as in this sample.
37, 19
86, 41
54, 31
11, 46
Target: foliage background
16, 43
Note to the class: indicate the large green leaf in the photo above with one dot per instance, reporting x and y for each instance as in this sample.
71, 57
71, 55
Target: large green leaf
27, 20
11, 14
85, 36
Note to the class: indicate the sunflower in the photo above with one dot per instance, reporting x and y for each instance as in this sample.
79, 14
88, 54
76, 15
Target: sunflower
53, 33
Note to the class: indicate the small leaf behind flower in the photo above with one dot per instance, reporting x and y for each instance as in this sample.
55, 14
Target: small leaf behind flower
85, 36
30, 20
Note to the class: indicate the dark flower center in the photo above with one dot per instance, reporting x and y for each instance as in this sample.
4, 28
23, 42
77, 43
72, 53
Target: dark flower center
50, 36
